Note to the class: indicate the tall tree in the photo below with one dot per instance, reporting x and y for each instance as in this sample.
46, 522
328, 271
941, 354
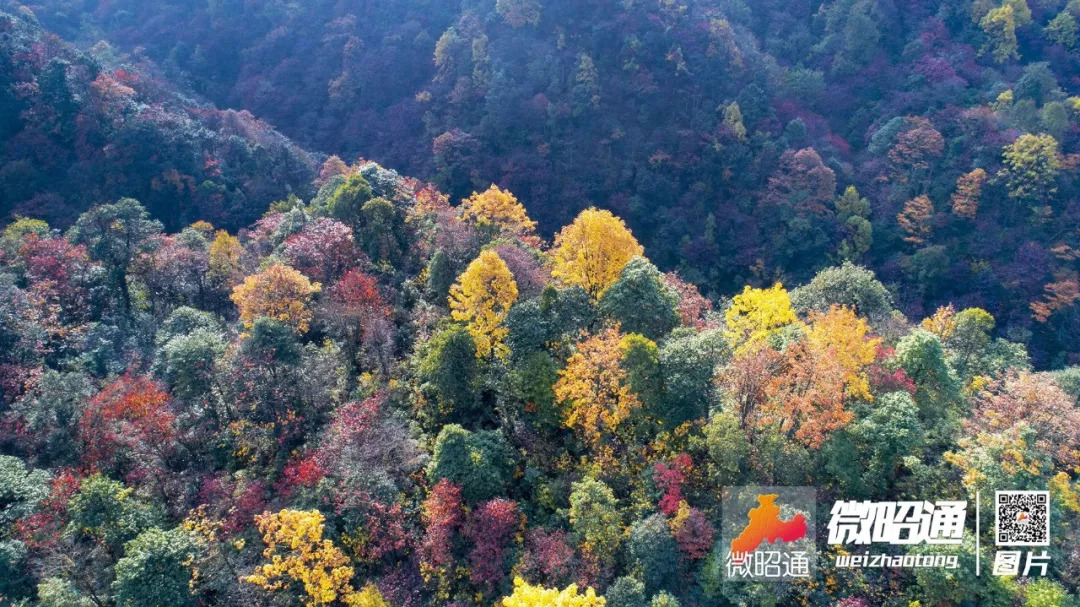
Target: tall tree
592, 251
999, 25
757, 313
500, 212
844, 337
279, 293
596, 389
853, 212
155, 570
1032, 165
640, 301
481, 298
448, 374
916, 220
804, 398
480, 463
594, 515
968, 194
114, 234
916, 150
299, 559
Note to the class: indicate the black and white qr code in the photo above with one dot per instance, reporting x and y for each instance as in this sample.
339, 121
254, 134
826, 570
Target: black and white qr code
1023, 518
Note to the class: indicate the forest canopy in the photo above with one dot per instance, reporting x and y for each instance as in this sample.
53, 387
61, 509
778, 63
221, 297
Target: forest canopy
485, 303
742, 142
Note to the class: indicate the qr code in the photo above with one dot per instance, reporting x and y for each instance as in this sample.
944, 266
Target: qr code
1023, 518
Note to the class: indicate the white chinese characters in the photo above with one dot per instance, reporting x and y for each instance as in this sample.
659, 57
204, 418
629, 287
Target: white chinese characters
898, 523
1007, 562
768, 565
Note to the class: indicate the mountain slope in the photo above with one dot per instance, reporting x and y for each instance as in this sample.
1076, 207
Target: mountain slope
76, 132
726, 133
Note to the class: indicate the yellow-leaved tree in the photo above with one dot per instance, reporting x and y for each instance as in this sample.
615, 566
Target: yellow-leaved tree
481, 298
278, 292
225, 254
942, 323
757, 313
527, 595
296, 553
591, 251
845, 337
499, 210
595, 387
369, 596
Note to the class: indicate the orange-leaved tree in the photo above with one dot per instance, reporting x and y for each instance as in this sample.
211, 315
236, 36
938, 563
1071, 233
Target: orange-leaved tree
804, 399
845, 337
916, 219
595, 387
1060, 295
965, 200
481, 298
278, 292
591, 251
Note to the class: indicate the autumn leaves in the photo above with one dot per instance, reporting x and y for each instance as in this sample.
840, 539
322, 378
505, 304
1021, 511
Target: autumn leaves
612, 360
1031, 166
782, 373
589, 253
592, 251
298, 555
481, 299
800, 387
279, 293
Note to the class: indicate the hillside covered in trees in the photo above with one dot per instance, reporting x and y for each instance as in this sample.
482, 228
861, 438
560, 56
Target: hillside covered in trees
613, 257
374, 398
79, 128
725, 132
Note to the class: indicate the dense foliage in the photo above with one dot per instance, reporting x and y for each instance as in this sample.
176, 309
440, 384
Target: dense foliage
832, 245
77, 129
727, 133
203, 418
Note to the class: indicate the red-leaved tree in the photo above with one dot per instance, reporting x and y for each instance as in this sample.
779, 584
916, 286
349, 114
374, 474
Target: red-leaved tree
492, 528
127, 427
